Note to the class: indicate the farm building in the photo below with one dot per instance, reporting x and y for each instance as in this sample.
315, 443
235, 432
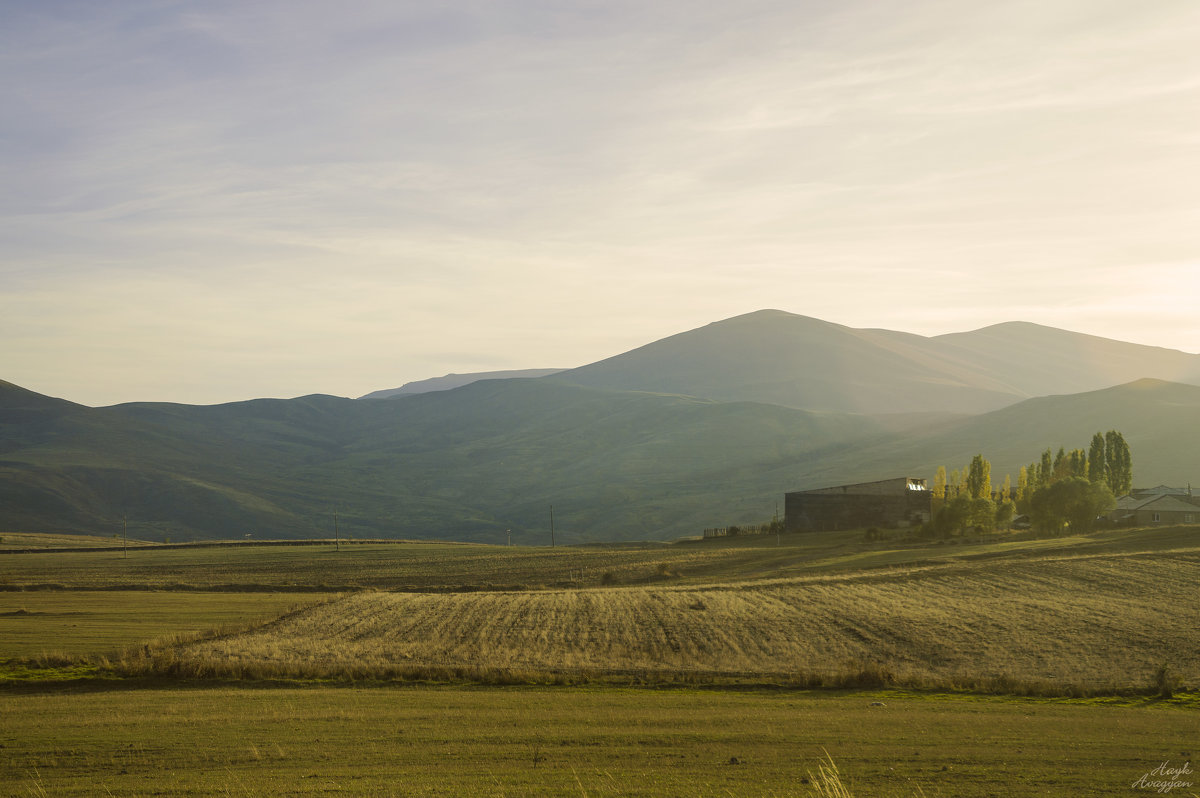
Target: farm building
1161, 505
889, 503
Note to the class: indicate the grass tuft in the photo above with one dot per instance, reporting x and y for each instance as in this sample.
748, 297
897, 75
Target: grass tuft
827, 782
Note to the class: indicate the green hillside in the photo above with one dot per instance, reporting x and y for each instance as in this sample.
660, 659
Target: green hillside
781, 358
464, 464
698, 430
1160, 420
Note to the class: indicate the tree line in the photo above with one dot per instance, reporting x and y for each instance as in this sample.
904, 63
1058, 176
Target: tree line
1067, 489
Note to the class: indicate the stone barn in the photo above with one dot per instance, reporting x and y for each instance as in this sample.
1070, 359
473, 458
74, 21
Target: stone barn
889, 503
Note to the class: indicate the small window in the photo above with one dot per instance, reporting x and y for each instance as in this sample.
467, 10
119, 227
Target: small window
1157, 518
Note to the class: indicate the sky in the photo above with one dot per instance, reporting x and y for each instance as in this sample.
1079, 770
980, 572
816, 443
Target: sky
215, 201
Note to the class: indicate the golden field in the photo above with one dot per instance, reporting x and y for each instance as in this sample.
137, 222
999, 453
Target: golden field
1088, 623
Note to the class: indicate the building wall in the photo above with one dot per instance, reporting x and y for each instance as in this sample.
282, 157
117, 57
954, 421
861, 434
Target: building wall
889, 503
1146, 517
1170, 505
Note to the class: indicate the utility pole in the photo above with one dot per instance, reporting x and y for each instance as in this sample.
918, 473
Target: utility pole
552, 526
337, 540
508, 533
125, 535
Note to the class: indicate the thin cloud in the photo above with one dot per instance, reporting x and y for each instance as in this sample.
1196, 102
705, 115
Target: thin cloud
293, 197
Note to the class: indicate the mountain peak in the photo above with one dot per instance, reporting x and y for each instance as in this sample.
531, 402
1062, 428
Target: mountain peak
803, 362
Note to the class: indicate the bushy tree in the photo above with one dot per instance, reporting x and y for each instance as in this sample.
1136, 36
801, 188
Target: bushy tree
954, 516
1073, 501
1005, 512
982, 515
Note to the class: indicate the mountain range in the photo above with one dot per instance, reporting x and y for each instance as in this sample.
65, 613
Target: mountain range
706, 428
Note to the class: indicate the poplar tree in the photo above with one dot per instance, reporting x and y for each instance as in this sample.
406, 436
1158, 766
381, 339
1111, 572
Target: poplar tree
1097, 461
1062, 466
979, 478
1045, 474
1077, 463
1120, 463
939, 483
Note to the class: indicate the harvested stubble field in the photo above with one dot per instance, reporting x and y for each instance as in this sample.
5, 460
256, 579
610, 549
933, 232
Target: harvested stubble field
437, 567
322, 566
1076, 615
1078, 624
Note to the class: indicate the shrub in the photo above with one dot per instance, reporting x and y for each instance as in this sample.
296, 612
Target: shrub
866, 675
1166, 681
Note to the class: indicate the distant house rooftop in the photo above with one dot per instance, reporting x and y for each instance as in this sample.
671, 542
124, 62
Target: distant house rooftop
1150, 507
1162, 490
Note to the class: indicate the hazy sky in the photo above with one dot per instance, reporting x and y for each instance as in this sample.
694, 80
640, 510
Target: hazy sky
211, 201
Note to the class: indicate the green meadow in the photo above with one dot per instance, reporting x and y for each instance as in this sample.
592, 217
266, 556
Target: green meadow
517, 741
115, 674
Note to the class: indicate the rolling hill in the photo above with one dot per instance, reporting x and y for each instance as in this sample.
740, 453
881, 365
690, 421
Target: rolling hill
795, 361
668, 440
463, 464
451, 381
1160, 420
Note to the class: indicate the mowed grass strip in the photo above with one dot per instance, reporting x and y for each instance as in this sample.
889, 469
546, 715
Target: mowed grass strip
433, 566
391, 566
47, 540
74, 624
582, 741
1096, 623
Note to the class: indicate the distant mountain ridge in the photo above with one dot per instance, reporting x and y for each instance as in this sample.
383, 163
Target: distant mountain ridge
668, 439
452, 381
468, 464
796, 361
1159, 419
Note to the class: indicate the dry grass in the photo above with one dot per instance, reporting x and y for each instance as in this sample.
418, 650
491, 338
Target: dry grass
827, 782
430, 567
44, 540
1082, 624
320, 566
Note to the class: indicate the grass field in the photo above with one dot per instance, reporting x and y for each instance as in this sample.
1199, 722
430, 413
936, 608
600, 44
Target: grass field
1045, 624
457, 741
42, 540
417, 566
391, 566
70, 623
224, 684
